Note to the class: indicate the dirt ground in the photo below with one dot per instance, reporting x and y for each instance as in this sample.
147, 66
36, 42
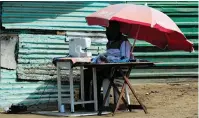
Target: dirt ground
171, 100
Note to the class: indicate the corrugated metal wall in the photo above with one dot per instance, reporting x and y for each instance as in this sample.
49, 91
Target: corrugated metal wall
26, 92
50, 15
37, 50
71, 15
0, 14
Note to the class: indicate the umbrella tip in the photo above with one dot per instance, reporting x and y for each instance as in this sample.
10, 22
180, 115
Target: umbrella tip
193, 50
145, 4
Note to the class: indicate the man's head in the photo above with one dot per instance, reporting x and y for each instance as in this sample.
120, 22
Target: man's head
113, 30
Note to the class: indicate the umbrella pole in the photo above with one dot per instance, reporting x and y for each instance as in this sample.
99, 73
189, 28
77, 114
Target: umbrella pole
135, 39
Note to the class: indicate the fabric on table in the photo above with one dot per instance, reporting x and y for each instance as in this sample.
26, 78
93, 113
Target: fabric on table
72, 59
115, 55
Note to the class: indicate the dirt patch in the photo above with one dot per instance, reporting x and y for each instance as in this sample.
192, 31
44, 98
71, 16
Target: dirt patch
172, 100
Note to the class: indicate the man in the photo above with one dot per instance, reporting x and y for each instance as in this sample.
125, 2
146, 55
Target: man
118, 46
118, 50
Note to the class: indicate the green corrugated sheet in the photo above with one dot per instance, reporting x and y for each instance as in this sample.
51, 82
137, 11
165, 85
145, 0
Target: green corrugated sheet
37, 50
50, 15
0, 14
71, 15
28, 93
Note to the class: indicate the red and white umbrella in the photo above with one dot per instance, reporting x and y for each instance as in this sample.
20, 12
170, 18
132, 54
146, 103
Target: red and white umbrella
143, 23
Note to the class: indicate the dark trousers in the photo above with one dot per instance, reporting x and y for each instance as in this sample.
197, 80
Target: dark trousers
88, 86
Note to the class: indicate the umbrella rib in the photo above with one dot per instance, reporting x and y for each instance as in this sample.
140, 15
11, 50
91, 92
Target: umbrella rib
135, 39
167, 41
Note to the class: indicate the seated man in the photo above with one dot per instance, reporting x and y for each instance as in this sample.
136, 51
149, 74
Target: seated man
118, 50
118, 46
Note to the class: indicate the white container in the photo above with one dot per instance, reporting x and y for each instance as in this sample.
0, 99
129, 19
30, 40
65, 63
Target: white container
62, 109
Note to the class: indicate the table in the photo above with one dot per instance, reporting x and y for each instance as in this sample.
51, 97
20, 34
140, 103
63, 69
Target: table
115, 67
69, 63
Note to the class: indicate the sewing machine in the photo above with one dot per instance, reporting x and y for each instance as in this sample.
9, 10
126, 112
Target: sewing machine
78, 47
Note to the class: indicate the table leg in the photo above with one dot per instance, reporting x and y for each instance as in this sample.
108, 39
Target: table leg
118, 92
82, 83
127, 95
95, 89
126, 88
120, 97
133, 91
105, 86
71, 90
111, 83
59, 87
105, 99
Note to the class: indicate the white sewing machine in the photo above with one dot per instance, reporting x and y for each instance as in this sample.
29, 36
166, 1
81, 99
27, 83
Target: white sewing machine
78, 47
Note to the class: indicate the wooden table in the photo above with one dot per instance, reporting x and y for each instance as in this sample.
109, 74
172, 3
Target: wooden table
118, 67
69, 63
115, 67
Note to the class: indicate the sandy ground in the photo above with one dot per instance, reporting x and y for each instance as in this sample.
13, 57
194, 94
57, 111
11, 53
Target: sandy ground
171, 100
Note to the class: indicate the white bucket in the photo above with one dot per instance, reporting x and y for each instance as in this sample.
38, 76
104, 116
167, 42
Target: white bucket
62, 109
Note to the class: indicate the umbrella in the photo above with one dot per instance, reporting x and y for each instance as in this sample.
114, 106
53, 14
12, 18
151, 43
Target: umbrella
143, 23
